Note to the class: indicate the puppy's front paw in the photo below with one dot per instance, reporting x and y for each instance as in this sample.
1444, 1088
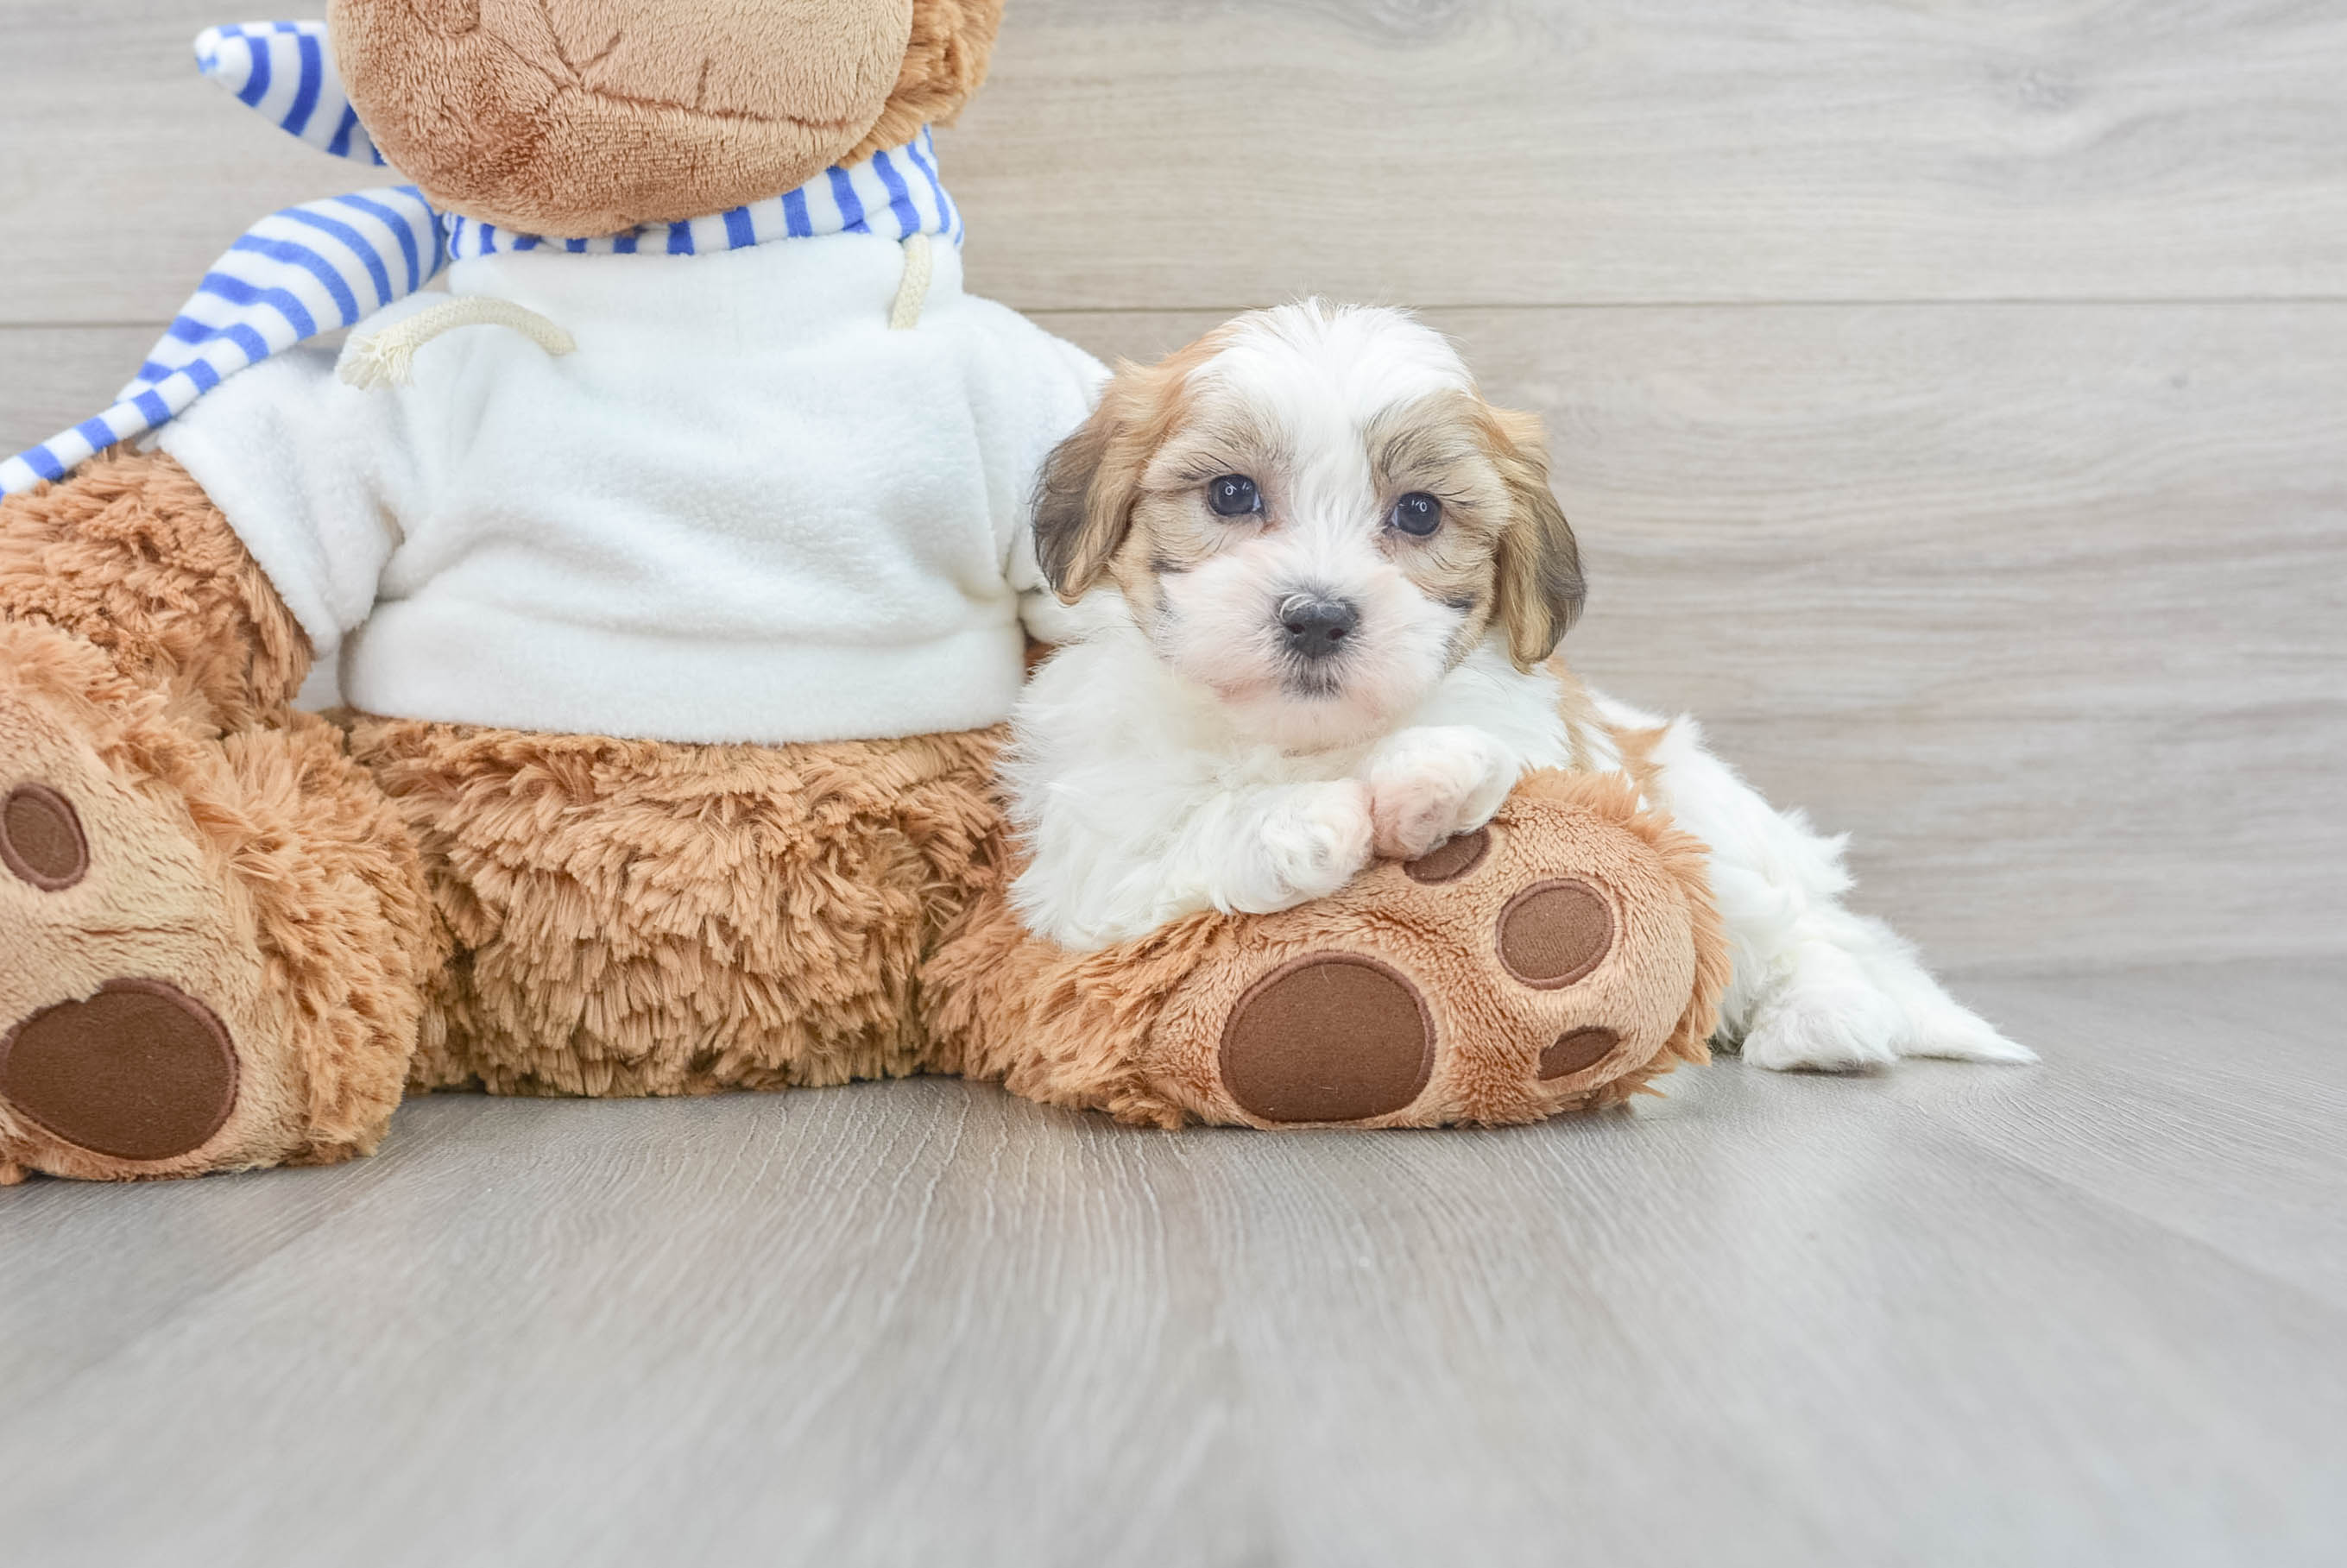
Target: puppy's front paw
1317, 839
1429, 785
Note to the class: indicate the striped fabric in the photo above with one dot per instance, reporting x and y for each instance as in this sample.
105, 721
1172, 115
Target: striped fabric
311, 269
329, 264
282, 70
894, 194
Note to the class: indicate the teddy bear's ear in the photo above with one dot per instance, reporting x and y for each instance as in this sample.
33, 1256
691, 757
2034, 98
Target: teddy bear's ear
285, 71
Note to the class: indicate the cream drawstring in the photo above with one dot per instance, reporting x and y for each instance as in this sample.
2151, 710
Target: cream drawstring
914, 291
387, 358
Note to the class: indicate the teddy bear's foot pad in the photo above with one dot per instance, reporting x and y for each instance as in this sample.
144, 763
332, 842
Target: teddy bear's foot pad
1343, 1037
41, 839
1335, 1038
208, 942
1544, 963
140, 1071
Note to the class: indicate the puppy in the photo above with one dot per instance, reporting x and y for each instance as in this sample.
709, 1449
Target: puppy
1313, 586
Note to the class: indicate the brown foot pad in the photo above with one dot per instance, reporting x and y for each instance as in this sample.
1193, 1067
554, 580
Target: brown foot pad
1328, 1039
140, 1071
1555, 934
1577, 1051
41, 840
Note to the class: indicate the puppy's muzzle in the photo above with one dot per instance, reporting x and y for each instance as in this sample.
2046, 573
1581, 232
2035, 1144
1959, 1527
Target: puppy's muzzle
1315, 627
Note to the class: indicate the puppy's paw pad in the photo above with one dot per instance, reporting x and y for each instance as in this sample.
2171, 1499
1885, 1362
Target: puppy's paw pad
1831, 1028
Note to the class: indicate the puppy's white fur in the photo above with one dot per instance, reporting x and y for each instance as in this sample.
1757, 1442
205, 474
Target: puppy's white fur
1165, 761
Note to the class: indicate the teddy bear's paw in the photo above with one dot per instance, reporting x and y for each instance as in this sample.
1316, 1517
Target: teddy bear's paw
1547, 962
147, 1027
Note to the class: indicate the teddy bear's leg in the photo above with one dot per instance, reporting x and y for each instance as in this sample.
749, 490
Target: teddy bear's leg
1558, 960
213, 923
641, 917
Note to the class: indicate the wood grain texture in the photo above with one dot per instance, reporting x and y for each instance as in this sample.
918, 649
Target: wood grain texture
1533, 151
2075, 1315
1143, 154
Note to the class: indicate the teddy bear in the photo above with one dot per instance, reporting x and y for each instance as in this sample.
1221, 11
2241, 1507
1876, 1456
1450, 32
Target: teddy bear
671, 556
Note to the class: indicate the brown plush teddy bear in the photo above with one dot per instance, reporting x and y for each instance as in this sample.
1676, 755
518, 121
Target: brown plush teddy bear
671, 562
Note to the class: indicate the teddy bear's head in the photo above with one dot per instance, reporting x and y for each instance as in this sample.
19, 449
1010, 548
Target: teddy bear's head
580, 118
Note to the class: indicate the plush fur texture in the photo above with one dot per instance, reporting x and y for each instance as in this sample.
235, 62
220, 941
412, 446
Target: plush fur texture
603, 917
638, 917
1135, 1029
131, 556
582, 117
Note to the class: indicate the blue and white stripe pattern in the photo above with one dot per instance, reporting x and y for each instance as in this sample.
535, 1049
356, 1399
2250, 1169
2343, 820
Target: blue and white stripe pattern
329, 264
894, 194
308, 270
282, 70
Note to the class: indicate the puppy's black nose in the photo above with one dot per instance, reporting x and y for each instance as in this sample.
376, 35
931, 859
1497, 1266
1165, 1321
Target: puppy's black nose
1315, 627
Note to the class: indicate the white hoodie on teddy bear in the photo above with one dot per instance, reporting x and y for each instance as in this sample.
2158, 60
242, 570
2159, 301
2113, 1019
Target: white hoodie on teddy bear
746, 508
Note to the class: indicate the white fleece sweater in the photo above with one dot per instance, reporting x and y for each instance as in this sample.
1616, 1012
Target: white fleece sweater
744, 510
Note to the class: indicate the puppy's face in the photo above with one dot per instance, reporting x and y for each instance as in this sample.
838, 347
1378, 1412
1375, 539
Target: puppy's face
1313, 513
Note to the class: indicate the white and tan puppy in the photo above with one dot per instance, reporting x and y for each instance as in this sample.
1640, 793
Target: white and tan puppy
1317, 583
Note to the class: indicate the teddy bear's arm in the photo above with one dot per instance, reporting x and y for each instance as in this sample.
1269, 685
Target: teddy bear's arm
130, 555
319, 480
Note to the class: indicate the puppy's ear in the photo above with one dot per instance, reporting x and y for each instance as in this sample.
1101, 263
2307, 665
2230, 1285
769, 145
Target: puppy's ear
1083, 503
1540, 589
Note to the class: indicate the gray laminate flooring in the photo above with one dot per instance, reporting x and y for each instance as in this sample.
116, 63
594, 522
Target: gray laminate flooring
2094, 1312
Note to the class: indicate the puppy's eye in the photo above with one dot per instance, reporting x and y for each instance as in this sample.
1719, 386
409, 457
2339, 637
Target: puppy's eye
1233, 495
1417, 514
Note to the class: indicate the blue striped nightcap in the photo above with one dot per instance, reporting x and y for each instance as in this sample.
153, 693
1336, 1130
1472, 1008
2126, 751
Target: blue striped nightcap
284, 71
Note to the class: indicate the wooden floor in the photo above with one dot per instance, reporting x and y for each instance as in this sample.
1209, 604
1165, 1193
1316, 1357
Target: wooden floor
2089, 1313
1949, 398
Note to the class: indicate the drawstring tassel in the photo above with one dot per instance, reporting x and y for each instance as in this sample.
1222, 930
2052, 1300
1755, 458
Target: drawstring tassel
913, 294
387, 358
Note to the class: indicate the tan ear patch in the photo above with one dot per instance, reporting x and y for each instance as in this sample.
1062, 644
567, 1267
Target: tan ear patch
1091, 484
1540, 585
